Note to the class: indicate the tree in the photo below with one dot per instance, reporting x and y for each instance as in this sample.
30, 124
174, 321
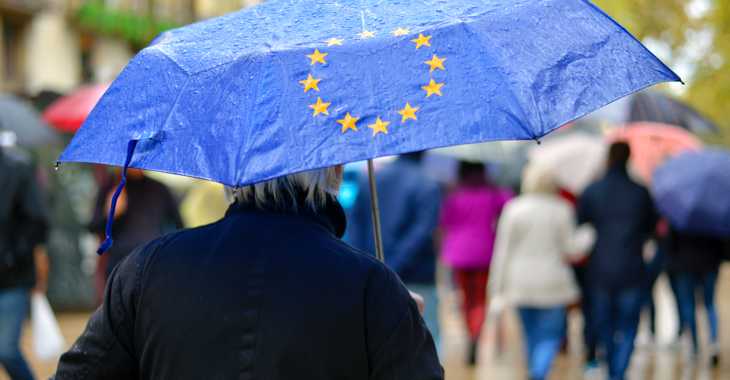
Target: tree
695, 35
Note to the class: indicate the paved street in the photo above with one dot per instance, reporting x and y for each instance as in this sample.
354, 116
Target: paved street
661, 361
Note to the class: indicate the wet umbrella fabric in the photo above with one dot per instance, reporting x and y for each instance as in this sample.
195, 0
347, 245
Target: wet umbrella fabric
19, 116
287, 86
692, 192
68, 113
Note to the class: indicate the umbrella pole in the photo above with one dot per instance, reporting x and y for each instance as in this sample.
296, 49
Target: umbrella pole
376, 212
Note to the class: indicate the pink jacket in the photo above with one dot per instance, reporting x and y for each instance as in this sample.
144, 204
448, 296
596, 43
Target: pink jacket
469, 222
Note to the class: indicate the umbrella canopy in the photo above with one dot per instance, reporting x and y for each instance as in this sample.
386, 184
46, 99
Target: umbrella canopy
653, 106
653, 143
692, 192
69, 112
286, 86
577, 158
18, 116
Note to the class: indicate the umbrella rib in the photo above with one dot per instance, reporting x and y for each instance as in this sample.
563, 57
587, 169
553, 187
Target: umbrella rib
259, 85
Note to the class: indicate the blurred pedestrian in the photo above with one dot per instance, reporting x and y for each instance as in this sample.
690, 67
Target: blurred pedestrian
536, 240
623, 215
469, 224
269, 291
409, 208
145, 210
694, 261
24, 225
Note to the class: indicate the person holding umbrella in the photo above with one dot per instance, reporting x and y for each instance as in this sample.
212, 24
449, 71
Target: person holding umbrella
691, 191
287, 297
277, 92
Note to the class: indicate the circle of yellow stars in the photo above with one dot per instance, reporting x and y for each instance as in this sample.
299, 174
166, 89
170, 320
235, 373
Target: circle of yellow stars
379, 126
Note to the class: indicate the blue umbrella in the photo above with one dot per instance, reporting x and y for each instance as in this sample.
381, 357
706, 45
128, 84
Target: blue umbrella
693, 192
288, 86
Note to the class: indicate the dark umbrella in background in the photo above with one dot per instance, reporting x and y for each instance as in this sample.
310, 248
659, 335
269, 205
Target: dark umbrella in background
19, 117
692, 192
656, 107
652, 106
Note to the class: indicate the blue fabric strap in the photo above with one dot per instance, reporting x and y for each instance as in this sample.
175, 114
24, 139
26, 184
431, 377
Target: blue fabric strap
108, 242
156, 136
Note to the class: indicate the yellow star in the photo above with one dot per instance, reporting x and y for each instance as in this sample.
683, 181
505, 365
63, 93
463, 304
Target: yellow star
348, 123
421, 40
432, 88
334, 41
310, 83
317, 57
321, 107
400, 32
365, 33
436, 62
408, 113
379, 126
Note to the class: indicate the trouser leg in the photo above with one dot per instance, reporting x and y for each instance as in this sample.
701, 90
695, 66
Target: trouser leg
13, 307
549, 332
685, 284
628, 303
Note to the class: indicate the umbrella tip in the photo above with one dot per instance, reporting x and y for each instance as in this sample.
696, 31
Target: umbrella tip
537, 139
56, 166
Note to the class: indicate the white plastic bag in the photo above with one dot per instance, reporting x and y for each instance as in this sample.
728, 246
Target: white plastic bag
493, 329
48, 343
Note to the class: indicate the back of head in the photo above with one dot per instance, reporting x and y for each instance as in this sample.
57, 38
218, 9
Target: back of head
538, 179
313, 187
472, 174
618, 154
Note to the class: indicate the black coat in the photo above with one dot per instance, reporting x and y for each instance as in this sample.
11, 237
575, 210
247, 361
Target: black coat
23, 223
624, 216
256, 295
691, 254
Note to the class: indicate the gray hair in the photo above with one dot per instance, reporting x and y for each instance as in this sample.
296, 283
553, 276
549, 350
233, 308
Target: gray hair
318, 185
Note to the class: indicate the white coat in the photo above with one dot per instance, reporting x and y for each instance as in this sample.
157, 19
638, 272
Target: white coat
536, 239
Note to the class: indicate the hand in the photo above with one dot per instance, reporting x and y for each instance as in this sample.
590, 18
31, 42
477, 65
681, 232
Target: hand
419, 301
42, 269
121, 208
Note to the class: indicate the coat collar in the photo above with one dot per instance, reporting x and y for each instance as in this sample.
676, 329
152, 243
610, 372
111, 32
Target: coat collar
331, 216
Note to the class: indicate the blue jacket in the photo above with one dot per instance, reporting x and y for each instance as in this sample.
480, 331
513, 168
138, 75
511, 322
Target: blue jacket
409, 208
623, 214
257, 295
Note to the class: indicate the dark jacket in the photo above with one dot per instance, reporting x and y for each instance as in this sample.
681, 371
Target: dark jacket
256, 295
151, 213
693, 254
23, 222
409, 208
623, 215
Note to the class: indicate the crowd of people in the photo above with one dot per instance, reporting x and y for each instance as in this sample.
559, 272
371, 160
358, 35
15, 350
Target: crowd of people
544, 250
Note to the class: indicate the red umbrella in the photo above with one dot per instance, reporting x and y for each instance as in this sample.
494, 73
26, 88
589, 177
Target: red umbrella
69, 112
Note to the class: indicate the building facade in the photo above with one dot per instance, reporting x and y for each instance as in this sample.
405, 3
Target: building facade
56, 45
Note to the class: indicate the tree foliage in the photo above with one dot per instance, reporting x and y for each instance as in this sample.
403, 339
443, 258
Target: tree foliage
694, 31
